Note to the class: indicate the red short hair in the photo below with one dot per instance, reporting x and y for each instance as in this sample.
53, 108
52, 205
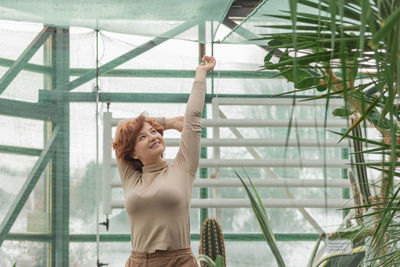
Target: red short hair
126, 135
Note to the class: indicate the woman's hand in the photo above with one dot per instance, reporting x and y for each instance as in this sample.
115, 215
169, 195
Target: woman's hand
174, 123
207, 64
203, 68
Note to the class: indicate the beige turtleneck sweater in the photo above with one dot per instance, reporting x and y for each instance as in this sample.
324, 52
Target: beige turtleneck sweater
157, 201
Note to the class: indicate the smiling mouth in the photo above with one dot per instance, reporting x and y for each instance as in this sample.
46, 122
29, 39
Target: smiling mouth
154, 144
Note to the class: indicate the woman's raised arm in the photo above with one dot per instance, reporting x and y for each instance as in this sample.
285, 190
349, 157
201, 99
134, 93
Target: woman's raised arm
188, 155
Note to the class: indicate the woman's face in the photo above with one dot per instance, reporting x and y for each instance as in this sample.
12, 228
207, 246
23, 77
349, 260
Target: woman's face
149, 145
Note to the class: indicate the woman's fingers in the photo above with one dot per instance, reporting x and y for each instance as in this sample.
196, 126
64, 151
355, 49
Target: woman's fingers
208, 62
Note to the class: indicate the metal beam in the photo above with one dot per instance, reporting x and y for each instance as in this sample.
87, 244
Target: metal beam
151, 73
154, 73
262, 142
239, 12
4, 62
128, 56
28, 186
268, 203
195, 237
60, 174
261, 182
19, 64
248, 35
337, 123
20, 150
27, 110
265, 163
45, 95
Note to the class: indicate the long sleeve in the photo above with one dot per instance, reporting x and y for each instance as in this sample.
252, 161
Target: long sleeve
125, 172
188, 155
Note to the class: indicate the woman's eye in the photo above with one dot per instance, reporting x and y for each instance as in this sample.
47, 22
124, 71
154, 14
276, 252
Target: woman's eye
153, 131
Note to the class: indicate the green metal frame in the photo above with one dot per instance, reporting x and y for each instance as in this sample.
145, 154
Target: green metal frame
35, 111
345, 191
59, 174
53, 107
153, 73
195, 237
29, 184
20, 150
17, 66
136, 97
203, 172
128, 56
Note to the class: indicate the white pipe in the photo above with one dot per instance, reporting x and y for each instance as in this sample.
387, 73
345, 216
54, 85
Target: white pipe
216, 155
282, 182
273, 175
107, 171
268, 203
263, 123
232, 182
234, 142
257, 163
258, 142
276, 101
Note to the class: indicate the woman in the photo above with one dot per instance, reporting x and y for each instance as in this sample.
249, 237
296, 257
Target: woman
157, 194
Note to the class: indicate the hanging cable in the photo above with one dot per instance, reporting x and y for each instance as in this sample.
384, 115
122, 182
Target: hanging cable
96, 87
219, 71
97, 91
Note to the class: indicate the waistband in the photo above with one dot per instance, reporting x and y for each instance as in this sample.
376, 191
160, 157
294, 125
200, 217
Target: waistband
161, 253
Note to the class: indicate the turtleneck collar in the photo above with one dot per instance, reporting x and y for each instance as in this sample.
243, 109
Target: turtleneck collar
154, 167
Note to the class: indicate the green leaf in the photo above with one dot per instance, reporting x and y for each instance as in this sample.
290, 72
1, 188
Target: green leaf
321, 88
207, 260
385, 111
264, 225
359, 120
308, 82
314, 252
369, 141
374, 116
259, 201
275, 43
219, 261
342, 112
386, 29
268, 57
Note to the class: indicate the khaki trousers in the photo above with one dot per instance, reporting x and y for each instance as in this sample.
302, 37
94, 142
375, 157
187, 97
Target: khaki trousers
163, 258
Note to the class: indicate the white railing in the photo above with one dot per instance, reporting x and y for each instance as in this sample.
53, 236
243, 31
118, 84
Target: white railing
218, 121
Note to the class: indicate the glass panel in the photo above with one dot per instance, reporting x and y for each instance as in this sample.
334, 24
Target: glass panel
23, 253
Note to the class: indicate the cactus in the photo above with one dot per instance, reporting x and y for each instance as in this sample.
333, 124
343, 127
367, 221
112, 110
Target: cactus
212, 241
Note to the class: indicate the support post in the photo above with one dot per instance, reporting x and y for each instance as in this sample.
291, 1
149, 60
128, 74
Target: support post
345, 191
58, 55
203, 150
217, 156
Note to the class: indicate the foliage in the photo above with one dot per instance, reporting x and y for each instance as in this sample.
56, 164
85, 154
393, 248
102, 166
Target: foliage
219, 262
263, 220
351, 49
83, 193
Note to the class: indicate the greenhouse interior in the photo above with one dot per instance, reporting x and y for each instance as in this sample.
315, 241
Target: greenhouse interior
293, 154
